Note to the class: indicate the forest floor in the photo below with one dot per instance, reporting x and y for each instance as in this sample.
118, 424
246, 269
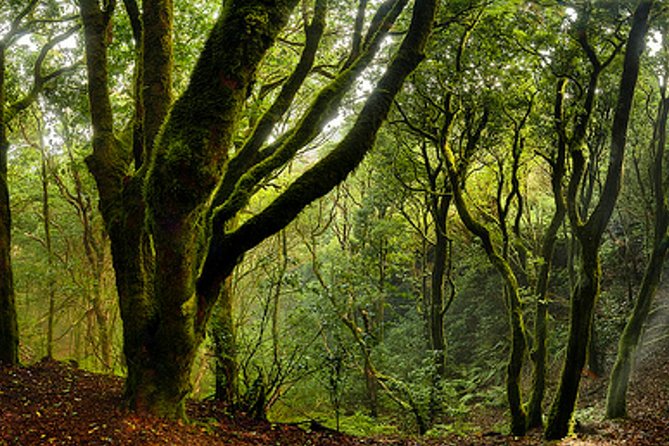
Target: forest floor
54, 403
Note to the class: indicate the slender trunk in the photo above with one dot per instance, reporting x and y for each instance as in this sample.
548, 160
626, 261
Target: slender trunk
46, 216
438, 305
371, 383
225, 347
104, 342
538, 355
9, 336
582, 311
516, 326
589, 234
616, 401
594, 365
517, 353
437, 339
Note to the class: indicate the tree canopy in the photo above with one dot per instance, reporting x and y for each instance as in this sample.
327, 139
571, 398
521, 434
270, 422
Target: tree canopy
399, 208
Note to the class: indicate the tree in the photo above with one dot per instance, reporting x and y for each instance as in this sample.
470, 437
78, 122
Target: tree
462, 110
187, 181
21, 23
570, 133
616, 400
589, 231
511, 291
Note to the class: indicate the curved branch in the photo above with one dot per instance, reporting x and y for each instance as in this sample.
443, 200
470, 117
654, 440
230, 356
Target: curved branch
599, 219
39, 79
322, 109
245, 157
225, 250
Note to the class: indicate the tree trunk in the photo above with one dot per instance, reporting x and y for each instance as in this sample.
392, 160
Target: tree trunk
163, 311
538, 355
51, 285
589, 234
9, 336
437, 304
616, 400
516, 326
581, 315
437, 338
225, 347
371, 383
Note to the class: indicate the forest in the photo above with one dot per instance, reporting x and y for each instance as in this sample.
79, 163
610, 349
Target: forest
330, 222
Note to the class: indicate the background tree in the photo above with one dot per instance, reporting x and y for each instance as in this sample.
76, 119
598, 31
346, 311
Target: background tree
22, 19
616, 402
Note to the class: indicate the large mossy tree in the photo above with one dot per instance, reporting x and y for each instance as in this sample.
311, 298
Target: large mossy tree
167, 200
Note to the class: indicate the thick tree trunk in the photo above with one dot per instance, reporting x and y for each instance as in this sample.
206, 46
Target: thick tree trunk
164, 315
225, 347
9, 336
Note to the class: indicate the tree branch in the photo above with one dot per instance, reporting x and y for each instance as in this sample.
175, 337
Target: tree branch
322, 109
39, 79
225, 250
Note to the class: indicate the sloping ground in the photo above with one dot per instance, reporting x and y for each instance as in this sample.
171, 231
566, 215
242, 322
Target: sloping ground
53, 403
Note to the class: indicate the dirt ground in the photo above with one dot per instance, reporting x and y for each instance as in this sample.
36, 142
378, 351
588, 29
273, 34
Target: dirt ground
54, 403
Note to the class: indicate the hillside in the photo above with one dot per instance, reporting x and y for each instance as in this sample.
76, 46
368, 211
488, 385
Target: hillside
54, 403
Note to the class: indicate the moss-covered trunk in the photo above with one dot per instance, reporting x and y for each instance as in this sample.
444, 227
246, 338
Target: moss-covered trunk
538, 355
9, 337
589, 233
582, 302
225, 346
159, 216
518, 348
616, 401
189, 156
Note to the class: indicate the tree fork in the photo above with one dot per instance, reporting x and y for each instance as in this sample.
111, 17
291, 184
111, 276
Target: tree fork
589, 234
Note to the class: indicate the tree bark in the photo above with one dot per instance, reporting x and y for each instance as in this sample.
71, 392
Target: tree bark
166, 305
616, 400
581, 315
538, 355
46, 224
9, 335
589, 234
437, 306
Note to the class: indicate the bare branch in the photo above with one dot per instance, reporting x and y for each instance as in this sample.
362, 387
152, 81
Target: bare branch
39, 79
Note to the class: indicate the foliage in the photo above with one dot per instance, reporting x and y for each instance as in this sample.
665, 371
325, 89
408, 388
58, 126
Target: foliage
332, 312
